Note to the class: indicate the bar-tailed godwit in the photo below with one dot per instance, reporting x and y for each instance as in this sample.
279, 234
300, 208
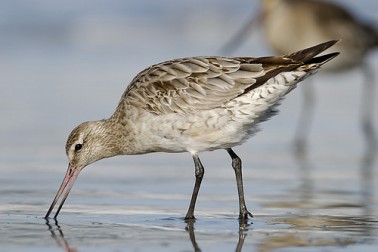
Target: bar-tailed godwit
288, 24
291, 24
191, 105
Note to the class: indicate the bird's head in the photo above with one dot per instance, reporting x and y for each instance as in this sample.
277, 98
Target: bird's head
87, 143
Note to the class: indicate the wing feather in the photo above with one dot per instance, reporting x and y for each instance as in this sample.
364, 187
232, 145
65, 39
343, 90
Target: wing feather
203, 83
191, 84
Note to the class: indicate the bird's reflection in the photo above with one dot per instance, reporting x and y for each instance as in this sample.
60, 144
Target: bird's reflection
58, 236
243, 228
190, 229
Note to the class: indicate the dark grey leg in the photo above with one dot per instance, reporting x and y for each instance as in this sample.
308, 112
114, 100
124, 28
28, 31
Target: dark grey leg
305, 118
368, 108
199, 175
236, 164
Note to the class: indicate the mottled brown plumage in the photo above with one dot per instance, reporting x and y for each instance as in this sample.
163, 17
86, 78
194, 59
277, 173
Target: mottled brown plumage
191, 104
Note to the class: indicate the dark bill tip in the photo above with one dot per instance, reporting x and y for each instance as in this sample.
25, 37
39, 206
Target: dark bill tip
68, 181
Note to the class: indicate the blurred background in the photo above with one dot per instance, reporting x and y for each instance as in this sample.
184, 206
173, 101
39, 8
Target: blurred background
65, 62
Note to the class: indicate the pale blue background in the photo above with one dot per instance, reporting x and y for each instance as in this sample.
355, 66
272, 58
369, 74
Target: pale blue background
64, 62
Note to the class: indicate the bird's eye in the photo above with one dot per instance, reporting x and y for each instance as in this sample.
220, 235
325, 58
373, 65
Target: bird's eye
78, 147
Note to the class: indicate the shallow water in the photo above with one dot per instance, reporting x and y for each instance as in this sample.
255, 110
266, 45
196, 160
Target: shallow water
141, 213
64, 63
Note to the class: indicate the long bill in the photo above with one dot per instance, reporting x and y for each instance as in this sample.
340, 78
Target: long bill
68, 181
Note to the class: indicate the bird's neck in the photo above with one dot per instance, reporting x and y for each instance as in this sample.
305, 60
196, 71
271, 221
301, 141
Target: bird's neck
120, 136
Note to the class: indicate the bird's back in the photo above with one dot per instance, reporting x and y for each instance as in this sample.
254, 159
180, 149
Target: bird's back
205, 103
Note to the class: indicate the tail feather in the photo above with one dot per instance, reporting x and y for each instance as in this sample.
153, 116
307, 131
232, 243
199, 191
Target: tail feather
320, 60
309, 53
303, 60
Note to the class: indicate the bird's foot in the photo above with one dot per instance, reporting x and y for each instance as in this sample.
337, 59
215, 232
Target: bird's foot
244, 215
189, 218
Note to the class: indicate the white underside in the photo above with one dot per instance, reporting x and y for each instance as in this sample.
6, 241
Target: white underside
218, 128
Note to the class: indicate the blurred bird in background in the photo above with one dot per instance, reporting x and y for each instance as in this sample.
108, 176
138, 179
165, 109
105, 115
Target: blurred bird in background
292, 24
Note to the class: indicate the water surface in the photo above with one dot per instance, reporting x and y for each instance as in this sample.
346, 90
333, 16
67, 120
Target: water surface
64, 63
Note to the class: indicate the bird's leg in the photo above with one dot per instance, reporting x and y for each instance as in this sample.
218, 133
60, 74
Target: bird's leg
199, 171
367, 108
236, 164
305, 118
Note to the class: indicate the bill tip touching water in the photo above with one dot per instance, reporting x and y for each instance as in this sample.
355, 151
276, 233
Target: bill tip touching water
191, 105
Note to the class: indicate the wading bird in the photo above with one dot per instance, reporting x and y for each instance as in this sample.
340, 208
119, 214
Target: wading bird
191, 105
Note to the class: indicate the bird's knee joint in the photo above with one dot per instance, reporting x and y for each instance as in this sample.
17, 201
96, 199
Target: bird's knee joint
236, 163
199, 173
